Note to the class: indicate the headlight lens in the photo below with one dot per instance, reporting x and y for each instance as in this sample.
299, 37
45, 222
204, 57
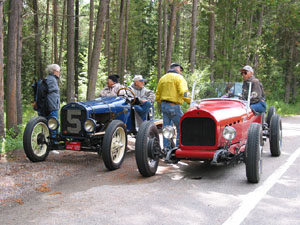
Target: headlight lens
229, 133
52, 123
89, 125
168, 132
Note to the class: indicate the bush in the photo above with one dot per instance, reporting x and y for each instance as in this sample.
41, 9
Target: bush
285, 109
13, 140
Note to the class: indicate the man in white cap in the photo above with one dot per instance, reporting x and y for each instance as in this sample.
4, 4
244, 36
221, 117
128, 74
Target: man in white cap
145, 96
257, 96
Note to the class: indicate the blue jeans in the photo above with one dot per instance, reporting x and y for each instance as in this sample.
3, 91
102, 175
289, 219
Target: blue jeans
171, 114
143, 109
53, 114
259, 107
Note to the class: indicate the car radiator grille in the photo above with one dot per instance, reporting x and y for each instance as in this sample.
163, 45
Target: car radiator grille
198, 132
72, 121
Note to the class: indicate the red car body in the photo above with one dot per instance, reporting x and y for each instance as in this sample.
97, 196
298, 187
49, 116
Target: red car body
202, 125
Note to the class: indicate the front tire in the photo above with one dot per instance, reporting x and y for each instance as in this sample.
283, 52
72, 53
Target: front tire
253, 153
35, 139
275, 135
147, 139
114, 145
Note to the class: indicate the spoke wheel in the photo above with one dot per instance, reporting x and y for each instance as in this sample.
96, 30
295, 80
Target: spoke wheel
114, 145
35, 139
253, 158
146, 146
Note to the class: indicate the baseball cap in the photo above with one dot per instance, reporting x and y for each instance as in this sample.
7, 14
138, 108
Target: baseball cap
139, 78
175, 65
248, 68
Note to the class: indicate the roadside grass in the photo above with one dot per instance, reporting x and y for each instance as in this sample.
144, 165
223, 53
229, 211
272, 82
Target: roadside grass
14, 139
284, 109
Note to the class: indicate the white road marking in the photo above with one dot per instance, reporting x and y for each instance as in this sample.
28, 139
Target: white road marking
253, 198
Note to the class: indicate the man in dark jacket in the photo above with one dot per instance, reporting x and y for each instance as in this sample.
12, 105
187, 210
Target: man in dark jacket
257, 96
53, 96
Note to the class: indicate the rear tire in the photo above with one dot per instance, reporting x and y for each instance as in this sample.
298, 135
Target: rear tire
253, 153
271, 113
35, 139
114, 145
275, 135
146, 162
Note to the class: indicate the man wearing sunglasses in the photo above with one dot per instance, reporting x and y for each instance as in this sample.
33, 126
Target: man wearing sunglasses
257, 96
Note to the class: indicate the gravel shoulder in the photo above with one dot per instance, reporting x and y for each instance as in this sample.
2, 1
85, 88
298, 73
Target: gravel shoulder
20, 177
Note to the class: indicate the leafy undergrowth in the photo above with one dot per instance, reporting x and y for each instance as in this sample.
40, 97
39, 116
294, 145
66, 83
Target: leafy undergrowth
13, 140
285, 109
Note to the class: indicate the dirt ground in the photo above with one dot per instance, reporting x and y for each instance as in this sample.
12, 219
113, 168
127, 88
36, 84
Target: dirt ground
19, 177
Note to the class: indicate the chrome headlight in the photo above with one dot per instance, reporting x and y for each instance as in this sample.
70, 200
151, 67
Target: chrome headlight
229, 133
52, 123
90, 125
168, 132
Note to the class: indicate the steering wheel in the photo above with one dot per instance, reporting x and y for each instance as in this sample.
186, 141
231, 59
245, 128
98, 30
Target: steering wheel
130, 96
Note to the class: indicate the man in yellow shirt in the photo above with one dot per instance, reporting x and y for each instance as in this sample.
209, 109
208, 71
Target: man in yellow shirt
171, 92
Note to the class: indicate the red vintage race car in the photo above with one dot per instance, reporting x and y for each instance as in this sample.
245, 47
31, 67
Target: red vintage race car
219, 127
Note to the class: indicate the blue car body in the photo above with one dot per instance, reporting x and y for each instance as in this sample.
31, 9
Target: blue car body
101, 110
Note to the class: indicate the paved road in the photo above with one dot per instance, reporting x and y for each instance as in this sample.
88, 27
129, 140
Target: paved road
186, 193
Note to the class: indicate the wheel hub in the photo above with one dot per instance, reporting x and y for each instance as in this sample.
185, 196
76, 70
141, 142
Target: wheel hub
153, 148
41, 139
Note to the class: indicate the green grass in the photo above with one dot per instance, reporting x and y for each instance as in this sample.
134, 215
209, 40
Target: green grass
284, 109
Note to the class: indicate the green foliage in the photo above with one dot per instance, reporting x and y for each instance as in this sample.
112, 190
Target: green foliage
13, 140
285, 109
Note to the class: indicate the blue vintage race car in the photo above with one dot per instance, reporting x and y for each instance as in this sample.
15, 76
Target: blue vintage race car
98, 126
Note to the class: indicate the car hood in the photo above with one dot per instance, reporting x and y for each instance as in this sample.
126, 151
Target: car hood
104, 104
219, 109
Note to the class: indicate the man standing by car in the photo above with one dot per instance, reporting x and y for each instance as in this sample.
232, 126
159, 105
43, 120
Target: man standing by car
171, 92
145, 96
257, 96
53, 95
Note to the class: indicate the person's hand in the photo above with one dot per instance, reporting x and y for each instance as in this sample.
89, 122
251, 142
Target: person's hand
143, 100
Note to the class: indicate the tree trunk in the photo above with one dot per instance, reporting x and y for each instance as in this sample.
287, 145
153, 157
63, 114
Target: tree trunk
62, 33
55, 31
91, 31
170, 36
289, 74
193, 36
211, 50
11, 99
159, 42
295, 78
46, 32
165, 28
107, 39
120, 72
96, 49
177, 33
38, 52
76, 54
70, 53
259, 32
19, 67
126, 36
2, 131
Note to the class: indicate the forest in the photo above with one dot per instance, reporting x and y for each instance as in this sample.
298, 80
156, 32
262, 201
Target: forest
211, 39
